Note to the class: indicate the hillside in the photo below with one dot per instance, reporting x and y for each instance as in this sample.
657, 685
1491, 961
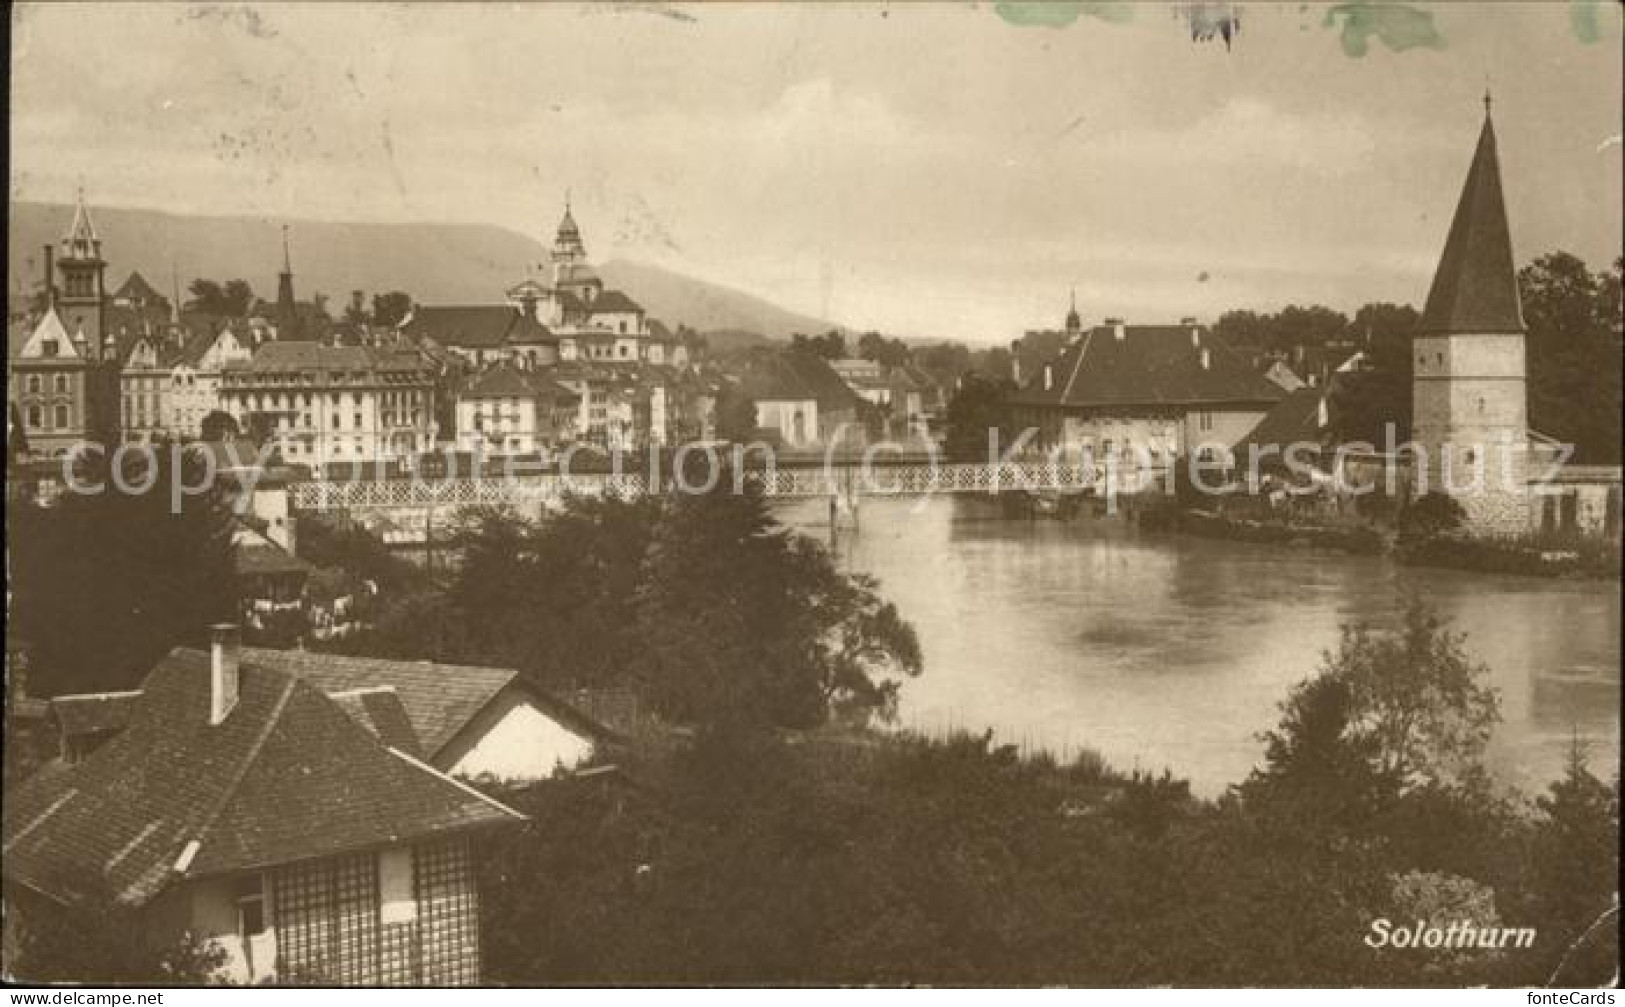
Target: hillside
435, 263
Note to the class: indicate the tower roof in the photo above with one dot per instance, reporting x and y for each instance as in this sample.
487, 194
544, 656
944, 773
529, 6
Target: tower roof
1476, 286
82, 229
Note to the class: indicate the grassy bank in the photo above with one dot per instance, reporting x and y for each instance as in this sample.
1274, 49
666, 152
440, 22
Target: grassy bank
1359, 539
1529, 556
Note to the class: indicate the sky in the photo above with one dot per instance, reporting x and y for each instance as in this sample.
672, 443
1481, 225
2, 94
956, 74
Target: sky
932, 170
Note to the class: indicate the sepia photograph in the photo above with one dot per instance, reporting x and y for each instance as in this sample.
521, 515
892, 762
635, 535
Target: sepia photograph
1003, 494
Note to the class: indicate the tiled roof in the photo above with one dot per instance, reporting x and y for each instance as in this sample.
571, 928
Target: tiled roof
1152, 365
380, 711
282, 356
1293, 420
440, 699
1476, 286
507, 381
287, 776
613, 301
136, 288
477, 326
795, 375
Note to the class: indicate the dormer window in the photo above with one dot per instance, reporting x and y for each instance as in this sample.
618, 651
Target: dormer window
50, 347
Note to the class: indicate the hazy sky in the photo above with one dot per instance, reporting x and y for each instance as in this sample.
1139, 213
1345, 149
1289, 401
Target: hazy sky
925, 169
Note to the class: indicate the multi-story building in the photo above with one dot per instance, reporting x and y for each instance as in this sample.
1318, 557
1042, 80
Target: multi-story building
508, 410
60, 377
1144, 395
303, 833
321, 403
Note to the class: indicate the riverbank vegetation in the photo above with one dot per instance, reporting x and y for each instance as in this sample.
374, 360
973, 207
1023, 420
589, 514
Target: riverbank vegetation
749, 857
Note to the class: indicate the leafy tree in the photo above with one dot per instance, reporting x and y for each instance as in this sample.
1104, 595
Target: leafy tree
977, 407
747, 622
1574, 356
831, 345
207, 297
1416, 712
1380, 393
1431, 514
101, 941
236, 298
219, 426
736, 416
107, 582
389, 310
887, 352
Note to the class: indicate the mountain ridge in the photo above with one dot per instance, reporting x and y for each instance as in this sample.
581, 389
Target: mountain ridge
438, 263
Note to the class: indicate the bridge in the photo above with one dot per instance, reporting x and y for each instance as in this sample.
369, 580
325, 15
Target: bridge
405, 511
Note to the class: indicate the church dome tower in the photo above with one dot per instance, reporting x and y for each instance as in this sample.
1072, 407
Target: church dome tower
1469, 403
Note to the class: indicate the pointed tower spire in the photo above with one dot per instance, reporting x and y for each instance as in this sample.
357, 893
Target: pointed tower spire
1074, 323
287, 312
1476, 286
175, 290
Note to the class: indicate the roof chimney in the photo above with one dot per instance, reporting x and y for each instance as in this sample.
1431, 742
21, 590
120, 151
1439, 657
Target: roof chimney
1207, 358
224, 675
1119, 330
1049, 377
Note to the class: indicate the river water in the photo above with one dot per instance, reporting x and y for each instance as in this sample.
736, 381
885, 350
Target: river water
1169, 651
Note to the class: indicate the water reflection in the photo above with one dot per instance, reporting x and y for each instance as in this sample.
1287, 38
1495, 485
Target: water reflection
1162, 651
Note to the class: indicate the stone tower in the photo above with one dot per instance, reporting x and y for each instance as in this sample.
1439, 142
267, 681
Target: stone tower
82, 302
1469, 412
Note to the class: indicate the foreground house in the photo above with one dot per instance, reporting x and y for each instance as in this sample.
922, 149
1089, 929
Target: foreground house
469, 721
302, 833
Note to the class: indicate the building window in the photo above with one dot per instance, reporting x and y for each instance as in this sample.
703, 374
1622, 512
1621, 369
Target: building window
48, 347
34, 384
60, 384
61, 417
250, 899
36, 417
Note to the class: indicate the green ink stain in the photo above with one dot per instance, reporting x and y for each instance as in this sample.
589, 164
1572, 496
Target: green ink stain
1583, 20
1060, 13
1397, 26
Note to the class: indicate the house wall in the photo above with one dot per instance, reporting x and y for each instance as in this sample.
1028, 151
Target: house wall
402, 916
780, 415
513, 739
1219, 428
1468, 395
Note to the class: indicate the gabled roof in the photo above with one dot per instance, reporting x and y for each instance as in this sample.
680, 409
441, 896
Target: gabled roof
49, 328
613, 301
440, 699
476, 326
380, 711
287, 776
502, 381
136, 288
1476, 286
796, 375
1293, 420
1152, 365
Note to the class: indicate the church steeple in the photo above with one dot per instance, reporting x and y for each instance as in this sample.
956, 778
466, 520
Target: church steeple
80, 262
1476, 287
1073, 322
287, 312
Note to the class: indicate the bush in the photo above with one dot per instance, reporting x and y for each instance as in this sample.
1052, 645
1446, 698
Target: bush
1429, 515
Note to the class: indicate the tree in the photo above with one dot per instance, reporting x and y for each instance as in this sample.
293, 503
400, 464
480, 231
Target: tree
749, 624
237, 296
108, 582
1574, 356
1433, 513
977, 407
1363, 401
1410, 705
883, 351
101, 941
831, 345
1576, 861
219, 426
207, 297
736, 416
389, 310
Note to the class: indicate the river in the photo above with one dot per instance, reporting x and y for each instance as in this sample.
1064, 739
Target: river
1168, 651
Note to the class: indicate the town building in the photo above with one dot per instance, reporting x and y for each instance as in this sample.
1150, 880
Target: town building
320, 403
509, 410
895, 391
301, 833
62, 376
1470, 426
801, 401
1144, 395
